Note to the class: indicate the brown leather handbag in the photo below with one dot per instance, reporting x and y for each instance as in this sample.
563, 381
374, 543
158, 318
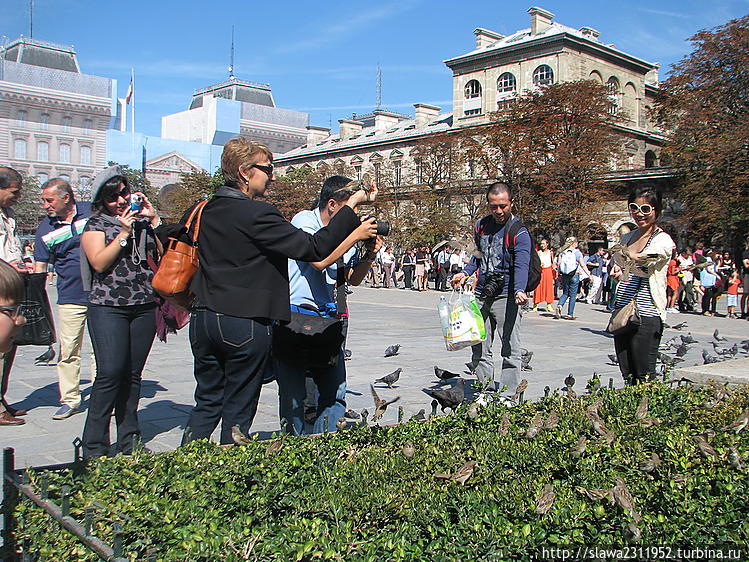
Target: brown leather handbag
179, 264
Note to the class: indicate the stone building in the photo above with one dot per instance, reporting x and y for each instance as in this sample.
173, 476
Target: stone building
485, 80
53, 118
237, 107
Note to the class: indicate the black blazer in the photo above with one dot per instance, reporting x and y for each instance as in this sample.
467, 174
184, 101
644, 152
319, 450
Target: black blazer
244, 246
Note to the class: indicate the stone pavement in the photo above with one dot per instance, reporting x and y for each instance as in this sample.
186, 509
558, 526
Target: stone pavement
380, 317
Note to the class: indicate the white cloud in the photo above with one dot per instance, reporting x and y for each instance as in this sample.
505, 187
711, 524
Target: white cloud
349, 25
664, 13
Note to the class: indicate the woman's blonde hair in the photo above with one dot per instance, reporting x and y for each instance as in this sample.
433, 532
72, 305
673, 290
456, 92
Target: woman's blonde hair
241, 153
11, 284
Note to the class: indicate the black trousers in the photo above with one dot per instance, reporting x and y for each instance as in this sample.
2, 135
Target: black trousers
637, 349
230, 355
408, 276
121, 337
710, 300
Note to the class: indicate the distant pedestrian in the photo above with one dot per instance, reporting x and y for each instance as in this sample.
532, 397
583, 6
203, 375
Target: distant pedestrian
596, 265
709, 281
408, 265
544, 293
745, 280
732, 292
569, 263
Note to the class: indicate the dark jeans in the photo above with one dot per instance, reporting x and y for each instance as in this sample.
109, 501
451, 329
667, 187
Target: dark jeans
408, 276
121, 337
710, 299
230, 356
442, 277
637, 349
570, 285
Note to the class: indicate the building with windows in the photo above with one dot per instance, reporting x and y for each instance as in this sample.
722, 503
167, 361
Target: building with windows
485, 80
53, 118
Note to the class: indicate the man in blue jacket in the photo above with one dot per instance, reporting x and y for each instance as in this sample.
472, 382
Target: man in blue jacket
502, 276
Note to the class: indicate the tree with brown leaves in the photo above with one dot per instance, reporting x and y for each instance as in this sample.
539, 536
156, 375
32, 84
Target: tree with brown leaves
704, 104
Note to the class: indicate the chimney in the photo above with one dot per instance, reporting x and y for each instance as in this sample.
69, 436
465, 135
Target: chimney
383, 120
425, 113
349, 128
316, 134
590, 33
540, 20
484, 38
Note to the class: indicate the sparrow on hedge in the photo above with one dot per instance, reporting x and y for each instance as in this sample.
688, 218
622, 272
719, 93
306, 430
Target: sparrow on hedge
461, 475
551, 421
390, 378
535, 426
735, 458
341, 424
624, 499
408, 449
705, 448
238, 437
579, 448
545, 500
642, 410
740, 423
631, 532
596, 495
380, 404
504, 427
651, 464
519, 390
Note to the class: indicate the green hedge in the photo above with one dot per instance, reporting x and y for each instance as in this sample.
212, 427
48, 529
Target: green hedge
355, 495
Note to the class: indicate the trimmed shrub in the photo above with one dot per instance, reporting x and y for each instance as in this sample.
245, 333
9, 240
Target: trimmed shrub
356, 495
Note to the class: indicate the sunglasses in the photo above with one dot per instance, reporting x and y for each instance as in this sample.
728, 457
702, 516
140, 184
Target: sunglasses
268, 170
643, 209
124, 192
12, 311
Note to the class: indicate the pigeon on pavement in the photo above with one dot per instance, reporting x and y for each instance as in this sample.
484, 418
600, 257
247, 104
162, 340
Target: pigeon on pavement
443, 374
717, 336
47, 357
391, 378
392, 350
688, 339
450, 398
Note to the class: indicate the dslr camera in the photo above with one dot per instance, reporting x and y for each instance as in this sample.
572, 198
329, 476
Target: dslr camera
494, 283
383, 227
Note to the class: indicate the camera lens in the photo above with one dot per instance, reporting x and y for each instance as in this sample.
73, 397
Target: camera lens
383, 228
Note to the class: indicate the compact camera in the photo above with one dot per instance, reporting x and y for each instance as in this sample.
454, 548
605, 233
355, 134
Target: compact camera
136, 203
494, 283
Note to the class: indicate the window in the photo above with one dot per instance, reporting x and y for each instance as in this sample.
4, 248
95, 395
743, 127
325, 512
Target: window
472, 103
612, 85
651, 161
543, 75
377, 169
44, 122
419, 170
506, 83
88, 124
65, 153
41, 177
21, 118
42, 151
397, 172
19, 149
66, 122
65, 177
86, 155
357, 169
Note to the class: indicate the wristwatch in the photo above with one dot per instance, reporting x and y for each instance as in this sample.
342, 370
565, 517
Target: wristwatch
123, 241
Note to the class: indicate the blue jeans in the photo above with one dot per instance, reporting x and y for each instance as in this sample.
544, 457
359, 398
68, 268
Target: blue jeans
121, 337
292, 389
230, 354
570, 285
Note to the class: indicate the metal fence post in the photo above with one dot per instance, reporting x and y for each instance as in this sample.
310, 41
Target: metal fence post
10, 501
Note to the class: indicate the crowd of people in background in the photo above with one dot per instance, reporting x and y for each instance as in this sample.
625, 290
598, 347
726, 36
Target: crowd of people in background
697, 277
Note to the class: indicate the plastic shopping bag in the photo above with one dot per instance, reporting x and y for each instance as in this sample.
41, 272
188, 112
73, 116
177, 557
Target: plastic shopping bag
39, 328
461, 320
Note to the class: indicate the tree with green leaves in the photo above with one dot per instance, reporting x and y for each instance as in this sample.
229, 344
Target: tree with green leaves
704, 105
138, 182
297, 190
28, 211
192, 187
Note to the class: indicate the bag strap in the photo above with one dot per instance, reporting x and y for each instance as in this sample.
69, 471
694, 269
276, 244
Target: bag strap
195, 215
340, 292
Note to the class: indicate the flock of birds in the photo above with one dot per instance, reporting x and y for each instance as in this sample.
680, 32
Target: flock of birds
680, 344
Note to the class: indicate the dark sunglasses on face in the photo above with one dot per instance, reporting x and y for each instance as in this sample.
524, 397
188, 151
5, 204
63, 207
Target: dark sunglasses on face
11, 310
124, 192
643, 209
268, 170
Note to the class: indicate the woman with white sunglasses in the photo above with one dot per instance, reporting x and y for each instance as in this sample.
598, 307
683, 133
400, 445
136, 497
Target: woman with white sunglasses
640, 266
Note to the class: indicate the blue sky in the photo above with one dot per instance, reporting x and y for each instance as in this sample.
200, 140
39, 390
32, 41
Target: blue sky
321, 57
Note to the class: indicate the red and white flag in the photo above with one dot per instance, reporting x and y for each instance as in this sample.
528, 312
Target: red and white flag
130, 90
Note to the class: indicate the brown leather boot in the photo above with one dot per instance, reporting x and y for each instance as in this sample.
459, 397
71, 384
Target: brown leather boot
7, 419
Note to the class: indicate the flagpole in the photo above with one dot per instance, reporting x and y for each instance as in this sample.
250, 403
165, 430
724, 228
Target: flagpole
132, 107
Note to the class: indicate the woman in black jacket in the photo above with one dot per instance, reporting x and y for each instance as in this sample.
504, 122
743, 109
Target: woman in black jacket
242, 286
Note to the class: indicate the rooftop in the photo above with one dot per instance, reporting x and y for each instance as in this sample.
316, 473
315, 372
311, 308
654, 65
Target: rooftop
45, 54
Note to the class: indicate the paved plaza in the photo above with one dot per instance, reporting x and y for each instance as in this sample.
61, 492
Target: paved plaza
379, 317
